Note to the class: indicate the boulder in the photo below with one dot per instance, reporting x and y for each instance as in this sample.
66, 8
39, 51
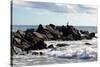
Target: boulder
39, 45
41, 53
51, 46
40, 29
38, 35
52, 25
91, 35
75, 33
53, 32
20, 34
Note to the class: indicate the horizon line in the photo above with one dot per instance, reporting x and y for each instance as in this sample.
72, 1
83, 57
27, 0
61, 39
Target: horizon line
48, 24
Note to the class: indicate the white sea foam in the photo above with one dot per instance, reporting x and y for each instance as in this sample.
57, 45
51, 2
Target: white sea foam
76, 51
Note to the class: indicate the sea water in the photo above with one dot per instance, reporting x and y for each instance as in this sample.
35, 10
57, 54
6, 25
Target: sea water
25, 27
77, 51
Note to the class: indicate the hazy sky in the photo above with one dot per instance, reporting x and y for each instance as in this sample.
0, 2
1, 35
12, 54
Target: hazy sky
35, 13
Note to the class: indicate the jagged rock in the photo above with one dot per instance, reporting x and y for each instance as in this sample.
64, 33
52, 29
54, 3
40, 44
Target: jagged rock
40, 28
70, 33
52, 25
38, 35
20, 34
34, 40
49, 36
75, 33
64, 31
53, 31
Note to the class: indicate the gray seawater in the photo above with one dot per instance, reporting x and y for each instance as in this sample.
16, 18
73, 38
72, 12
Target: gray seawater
24, 27
77, 51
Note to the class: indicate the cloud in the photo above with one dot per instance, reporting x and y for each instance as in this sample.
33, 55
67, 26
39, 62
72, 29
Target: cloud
22, 3
58, 7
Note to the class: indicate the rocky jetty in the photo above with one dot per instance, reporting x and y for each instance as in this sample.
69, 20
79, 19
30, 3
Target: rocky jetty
34, 39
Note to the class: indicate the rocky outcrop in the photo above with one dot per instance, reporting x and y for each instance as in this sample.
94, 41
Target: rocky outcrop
34, 39
87, 35
28, 41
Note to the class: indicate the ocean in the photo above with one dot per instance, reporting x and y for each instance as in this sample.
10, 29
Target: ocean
76, 52
24, 27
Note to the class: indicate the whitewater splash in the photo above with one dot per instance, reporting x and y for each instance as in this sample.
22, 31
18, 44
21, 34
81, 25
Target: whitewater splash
76, 51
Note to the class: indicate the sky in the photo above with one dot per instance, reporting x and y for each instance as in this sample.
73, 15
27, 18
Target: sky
35, 13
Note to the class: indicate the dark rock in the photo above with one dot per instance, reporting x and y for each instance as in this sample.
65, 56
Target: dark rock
69, 37
70, 33
17, 41
64, 31
49, 36
92, 35
84, 32
34, 40
62, 45
41, 53
38, 35
75, 33
88, 44
52, 25
35, 53
29, 30
53, 32
39, 45
51, 46
40, 28
89, 35
20, 34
